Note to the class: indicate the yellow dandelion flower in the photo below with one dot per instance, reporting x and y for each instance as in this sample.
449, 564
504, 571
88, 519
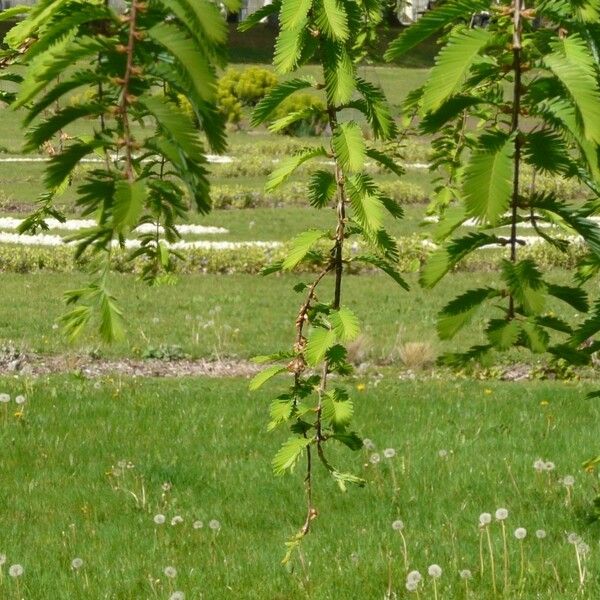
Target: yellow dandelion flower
487, 391
361, 387
544, 403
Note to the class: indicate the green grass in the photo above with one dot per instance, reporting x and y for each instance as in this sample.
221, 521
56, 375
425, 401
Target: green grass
207, 440
238, 315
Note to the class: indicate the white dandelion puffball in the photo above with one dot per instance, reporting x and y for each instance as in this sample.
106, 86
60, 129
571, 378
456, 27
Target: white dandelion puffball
389, 453
170, 572
485, 519
198, 525
540, 534
20, 399
177, 596
549, 466
368, 444
520, 533
539, 465
435, 571
583, 548
176, 520
443, 453
16, 570
4, 398
398, 525
374, 458
2, 559
573, 538
411, 586
568, 481
159, 519
414, 577
501, 514
76, 563
214, 524
465, 574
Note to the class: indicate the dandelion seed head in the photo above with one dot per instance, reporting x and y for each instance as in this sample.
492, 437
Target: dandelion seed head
573, 538
485, 519
16, 570
77, 563
368, 444
414, 576
520, 533
176, 520
4, 398
20, 399
539, 465
374, 458
398, 525
170, 572
159, 519
411, 586
198, 525
443, 453
354, 558
2, 559
465, 574
583, 548
501, 514
177, 596
389, 453
540, 534
549, 466
214, 524
434, 571
568, 481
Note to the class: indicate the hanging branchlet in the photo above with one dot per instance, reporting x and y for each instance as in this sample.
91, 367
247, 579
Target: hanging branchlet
526, 87
316, 413
128, 73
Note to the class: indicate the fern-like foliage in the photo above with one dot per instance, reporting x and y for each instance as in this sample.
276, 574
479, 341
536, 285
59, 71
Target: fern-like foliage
335, 34
518, 99
132, 70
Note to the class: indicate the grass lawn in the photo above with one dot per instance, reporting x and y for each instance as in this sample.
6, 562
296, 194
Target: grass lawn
239, 315
63, 495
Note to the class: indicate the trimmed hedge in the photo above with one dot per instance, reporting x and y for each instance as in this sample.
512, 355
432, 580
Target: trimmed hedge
413, 253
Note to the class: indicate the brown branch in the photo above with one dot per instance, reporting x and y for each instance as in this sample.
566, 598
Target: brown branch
514, 129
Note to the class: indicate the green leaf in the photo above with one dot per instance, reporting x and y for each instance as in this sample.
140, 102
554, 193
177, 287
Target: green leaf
333, 20
343, 478
265, 108
525, 283
445, 259
503, 334
547, 152
432, 21
385, 266
256, 17
280, 412
288, 454
460, 311
345, 324
317, 344
350, 439
128, 203
301, 246
201, 17
366, 202
340, 73
338, 409
289, 165
487, 179
535, 338
111, 319
574, 65
294, 13
288, 49
190, 58
386, 161
574, 296
452, 65
261, 378
589, 328
349, 145
448, 111
321, 189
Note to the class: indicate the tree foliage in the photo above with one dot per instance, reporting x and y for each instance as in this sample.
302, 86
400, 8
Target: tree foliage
336, 35
150, 167
520, 96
